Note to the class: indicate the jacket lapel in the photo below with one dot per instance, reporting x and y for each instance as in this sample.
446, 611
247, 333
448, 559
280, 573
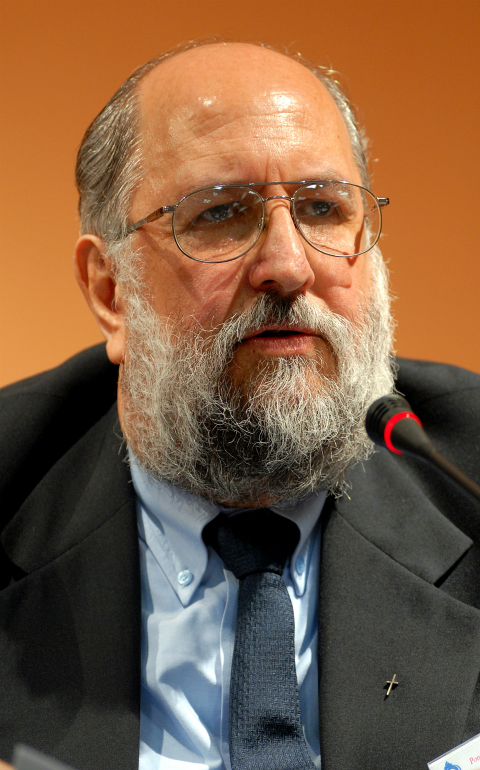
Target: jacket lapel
384, 547
70, 628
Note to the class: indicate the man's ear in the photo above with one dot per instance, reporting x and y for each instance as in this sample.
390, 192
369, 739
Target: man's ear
94, 275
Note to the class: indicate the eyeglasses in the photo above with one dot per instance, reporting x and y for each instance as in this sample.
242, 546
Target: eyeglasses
222, 223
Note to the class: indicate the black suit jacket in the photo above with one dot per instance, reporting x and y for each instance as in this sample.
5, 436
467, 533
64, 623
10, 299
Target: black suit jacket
399, 593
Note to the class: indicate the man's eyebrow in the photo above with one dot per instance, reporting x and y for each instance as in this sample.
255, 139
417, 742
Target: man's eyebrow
325, 175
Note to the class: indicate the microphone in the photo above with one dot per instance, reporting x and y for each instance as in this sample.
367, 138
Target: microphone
392, 424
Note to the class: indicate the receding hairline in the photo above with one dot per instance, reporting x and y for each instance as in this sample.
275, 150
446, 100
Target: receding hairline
258, 50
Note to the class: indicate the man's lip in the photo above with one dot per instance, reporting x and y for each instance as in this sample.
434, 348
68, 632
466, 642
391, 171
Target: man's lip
279, 328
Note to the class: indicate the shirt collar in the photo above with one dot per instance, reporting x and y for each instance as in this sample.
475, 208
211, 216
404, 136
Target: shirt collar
171, 521
305, 514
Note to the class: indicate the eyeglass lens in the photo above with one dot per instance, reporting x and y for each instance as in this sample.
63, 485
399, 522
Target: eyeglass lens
222, 223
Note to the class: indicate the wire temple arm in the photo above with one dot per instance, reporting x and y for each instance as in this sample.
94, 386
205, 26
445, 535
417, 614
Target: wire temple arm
151, 218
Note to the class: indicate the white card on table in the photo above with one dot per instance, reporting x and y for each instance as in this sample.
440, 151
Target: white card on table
467, 755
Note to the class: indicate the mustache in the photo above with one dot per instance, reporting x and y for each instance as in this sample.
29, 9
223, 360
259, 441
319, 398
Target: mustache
271, 309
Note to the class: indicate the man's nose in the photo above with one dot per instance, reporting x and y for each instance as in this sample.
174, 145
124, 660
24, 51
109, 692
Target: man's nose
281, 261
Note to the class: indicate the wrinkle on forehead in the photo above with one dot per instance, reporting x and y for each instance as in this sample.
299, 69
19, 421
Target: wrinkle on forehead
211, 114
219, 126
203, 116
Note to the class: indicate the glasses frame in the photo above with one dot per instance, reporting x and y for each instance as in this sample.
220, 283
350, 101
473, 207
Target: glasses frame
160, 212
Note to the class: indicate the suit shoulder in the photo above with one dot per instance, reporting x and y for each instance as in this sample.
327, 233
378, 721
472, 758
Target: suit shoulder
84, 368
43, 416
425, 381
447, 401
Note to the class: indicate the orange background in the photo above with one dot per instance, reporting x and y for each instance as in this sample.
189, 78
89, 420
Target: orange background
412, 66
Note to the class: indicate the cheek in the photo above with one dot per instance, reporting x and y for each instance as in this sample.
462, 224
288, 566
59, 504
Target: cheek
343, 284
185, 290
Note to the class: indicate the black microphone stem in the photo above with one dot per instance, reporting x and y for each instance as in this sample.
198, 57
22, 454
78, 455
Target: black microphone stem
431, 454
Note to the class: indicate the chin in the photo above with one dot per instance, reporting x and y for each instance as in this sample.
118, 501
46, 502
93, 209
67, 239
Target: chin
317, 375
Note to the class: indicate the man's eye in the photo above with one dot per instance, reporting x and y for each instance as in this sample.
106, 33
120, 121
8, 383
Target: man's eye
321, 212
319, 208
220, 213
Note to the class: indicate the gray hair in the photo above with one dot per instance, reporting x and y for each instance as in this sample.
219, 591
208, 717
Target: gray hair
109, 161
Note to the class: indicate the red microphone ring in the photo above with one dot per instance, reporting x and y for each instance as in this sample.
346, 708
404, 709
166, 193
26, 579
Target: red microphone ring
391, 424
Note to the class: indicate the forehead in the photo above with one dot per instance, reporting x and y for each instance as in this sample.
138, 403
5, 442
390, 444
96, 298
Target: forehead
238, 112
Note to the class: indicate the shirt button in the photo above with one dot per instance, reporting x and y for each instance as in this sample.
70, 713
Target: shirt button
300, 565
185, 577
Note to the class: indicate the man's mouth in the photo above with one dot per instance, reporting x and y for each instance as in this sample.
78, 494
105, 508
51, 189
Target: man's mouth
280, 340
278, 332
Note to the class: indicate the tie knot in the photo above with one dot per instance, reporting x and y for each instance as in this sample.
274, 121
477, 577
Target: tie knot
257, 540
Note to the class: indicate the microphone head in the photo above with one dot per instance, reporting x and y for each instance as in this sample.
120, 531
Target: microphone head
391, 413
391, 423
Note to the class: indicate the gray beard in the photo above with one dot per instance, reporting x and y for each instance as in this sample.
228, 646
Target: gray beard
289, 429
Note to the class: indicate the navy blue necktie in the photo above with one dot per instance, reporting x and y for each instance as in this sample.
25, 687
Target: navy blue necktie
265, 728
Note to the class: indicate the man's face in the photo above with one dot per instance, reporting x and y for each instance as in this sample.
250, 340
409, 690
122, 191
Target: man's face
238, 113
207, 400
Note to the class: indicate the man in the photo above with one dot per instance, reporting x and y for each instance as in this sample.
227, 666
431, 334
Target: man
229, 255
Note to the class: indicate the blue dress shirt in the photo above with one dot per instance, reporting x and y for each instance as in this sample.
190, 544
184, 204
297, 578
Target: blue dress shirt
188, 627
